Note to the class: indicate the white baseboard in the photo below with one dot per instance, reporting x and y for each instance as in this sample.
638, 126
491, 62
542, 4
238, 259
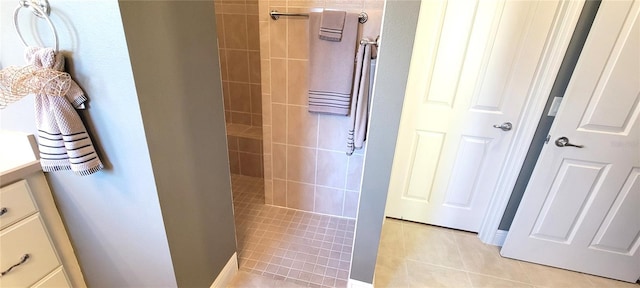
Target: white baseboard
358, 284
228, 272
499, 238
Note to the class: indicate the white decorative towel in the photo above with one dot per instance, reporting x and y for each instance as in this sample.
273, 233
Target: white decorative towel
331, 67
331, 25
360, 100
62, 138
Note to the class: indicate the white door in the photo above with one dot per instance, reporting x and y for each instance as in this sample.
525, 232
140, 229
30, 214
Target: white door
581, 209
473, 66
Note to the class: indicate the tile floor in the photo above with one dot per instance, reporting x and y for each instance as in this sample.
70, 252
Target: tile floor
303, 248
418, 255
280, 247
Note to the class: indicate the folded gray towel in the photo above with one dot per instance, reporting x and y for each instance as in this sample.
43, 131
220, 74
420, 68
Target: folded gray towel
331, 25
331, 67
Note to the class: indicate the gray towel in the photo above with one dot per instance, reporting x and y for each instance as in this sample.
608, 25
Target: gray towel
331, 25
360, 101
331, 67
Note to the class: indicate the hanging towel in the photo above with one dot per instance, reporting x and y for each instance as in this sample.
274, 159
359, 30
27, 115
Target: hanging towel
331, 67
360, 100
331, 25
62, 138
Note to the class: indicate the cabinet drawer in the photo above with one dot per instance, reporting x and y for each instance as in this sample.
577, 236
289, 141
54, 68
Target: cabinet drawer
16, 199
26, 237
56, 279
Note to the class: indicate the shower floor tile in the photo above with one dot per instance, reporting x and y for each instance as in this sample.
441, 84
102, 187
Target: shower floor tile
305, 248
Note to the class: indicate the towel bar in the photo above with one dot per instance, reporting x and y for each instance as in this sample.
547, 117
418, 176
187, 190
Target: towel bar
275, 15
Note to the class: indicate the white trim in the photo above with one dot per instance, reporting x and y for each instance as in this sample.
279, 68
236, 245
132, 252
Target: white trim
228, 272
352, 283
563, 27
499, 238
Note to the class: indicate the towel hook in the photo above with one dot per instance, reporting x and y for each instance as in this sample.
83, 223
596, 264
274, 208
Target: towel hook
42, 10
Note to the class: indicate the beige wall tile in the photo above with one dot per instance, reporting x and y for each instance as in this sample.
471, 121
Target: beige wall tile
232, 143
266, 139
306, 3
298, 38
254, 67
300, 196
252, 7
234, 162
268, 166
332, 169
253, 32
279, 123
351, 200
268, 191
280, 192
240, 94
302, 127
235, 8
373, 5
354, 174
266, 109
298, 86
256, 99
238, 66
301, 164
333, 132
265, 40
278, 37
240, 118
279, 161
249, 145
349, 5
256, 120
235, 31
279, 80
265, 76
250, 164
329, 201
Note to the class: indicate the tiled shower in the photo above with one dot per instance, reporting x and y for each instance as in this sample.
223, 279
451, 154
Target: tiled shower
300, 156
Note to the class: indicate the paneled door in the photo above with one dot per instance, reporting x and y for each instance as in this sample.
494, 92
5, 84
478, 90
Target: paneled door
473, 67
581, 209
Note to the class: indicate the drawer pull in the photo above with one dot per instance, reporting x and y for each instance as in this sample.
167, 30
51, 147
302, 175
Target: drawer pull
23, 259
3, 211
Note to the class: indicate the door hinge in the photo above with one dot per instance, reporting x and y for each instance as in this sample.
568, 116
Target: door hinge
546, 141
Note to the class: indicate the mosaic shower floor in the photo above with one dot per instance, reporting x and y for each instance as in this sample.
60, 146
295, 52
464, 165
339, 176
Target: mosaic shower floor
302, 248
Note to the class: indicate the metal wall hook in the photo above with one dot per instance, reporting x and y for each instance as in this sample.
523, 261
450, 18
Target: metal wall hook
42, 4
42, 10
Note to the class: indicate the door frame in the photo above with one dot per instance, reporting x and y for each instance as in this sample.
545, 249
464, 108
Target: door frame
553, 54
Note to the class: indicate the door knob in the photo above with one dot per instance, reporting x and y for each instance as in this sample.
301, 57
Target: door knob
564, 142
506, 126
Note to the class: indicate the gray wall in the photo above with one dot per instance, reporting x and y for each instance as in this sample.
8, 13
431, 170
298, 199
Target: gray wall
398, 32
559, 87
148, 219
174, 55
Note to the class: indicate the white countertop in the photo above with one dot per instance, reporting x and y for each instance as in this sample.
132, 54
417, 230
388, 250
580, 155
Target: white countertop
18, 156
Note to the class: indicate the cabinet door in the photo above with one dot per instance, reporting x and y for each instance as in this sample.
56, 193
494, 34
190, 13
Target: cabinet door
56, 279
26, 237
